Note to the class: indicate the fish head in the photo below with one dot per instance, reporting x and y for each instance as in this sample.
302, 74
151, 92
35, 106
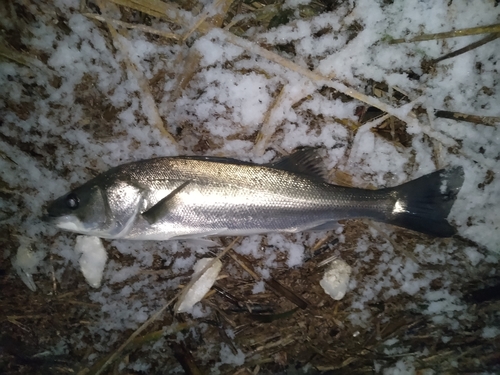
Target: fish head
103, 207
82, 210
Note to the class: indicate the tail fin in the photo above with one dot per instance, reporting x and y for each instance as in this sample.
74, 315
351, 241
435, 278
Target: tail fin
424, 204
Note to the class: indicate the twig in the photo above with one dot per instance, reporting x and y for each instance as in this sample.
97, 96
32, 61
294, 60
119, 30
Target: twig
137, 332
276, 344
9, 318
243, 264
320, 243
17, 57
53, 274
148, 8
191, 63
16, 323
482, 120
88, 304
69, 294
140, 341
327, 260
24, 59
127, 25
468, 48
268, 127
363, 129
450, 34
275, 285
318, 79
206, 14
185, 358
272, 116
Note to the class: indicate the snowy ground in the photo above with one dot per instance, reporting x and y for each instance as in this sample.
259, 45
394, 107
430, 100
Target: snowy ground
75, 103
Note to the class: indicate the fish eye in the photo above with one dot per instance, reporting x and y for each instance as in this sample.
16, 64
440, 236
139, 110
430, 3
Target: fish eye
72, 201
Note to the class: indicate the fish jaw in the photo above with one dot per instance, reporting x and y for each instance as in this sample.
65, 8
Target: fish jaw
71, 223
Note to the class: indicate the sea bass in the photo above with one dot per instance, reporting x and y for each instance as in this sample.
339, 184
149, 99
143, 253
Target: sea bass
195, 197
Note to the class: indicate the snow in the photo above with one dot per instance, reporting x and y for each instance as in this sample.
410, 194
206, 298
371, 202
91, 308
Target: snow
474, 256
491, 332
259, 287
225, 104
26, 263
402, 367
228, 357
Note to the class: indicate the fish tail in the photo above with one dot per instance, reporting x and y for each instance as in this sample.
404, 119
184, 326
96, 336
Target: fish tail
424, 204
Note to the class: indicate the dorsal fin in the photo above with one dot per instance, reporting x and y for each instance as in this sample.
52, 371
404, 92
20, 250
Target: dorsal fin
306, 161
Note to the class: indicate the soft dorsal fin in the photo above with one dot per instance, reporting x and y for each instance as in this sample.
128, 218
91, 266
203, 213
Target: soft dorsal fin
306, 161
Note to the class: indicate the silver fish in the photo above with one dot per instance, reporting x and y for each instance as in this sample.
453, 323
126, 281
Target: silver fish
196, 197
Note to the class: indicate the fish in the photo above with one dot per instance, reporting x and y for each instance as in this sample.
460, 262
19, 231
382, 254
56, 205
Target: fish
195, 197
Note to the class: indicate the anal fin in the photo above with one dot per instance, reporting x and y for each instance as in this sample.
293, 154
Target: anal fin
202, 242
317, 226
160, 209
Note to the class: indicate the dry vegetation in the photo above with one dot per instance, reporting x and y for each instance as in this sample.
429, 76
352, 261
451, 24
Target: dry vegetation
293, 324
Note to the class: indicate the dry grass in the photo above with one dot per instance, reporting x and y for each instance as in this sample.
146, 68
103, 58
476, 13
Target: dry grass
293, 324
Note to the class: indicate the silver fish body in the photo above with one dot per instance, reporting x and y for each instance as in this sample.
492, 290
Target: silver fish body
196, 197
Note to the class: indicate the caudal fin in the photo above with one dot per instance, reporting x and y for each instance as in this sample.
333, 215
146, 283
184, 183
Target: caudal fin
424, 204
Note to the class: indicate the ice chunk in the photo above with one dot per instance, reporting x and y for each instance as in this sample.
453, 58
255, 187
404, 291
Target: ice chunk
336, 279
93, 258
199, 288
25, 263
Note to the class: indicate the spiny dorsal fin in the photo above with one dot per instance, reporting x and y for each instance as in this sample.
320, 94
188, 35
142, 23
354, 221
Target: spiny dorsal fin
306, 160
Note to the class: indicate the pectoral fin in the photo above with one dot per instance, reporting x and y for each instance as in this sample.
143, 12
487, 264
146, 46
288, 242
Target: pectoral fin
317, 226
329, 225
202, 242
160, 209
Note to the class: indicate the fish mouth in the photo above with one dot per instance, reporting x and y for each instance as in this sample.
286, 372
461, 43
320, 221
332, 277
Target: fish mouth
65, 222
